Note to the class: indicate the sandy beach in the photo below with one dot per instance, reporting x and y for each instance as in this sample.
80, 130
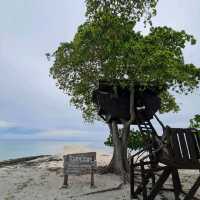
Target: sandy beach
42, 178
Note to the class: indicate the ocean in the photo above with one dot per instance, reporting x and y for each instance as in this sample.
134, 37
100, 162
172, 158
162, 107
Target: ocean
22, 148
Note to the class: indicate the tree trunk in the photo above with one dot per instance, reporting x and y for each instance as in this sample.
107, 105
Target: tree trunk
119, 162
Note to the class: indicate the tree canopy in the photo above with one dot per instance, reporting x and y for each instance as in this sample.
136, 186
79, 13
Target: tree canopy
128, 10
107, 47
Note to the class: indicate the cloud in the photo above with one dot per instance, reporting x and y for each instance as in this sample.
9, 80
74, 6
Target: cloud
5, 124
58, 134
9, 131
30, 101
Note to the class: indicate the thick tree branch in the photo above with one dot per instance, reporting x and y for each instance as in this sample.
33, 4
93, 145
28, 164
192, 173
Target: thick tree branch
110, 128
132, 105
115, 130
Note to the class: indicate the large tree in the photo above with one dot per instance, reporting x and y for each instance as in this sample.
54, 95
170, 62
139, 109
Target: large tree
107, 47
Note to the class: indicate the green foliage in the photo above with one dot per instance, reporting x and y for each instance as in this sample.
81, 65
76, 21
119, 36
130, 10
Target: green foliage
129, 10
135, 140
168, 103
107, 47
195, 122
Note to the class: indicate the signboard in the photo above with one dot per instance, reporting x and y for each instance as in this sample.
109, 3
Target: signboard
79, 164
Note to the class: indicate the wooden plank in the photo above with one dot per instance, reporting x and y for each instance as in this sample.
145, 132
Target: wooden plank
197, 140
184, 144
192, 145
73, 168
168, 132
193, 190
175, 145
79, 159
157, 187
68, 171
176, 183
74, 174
88, 154
68, 165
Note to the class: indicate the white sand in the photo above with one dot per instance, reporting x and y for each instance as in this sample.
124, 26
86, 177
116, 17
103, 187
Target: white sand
42, 179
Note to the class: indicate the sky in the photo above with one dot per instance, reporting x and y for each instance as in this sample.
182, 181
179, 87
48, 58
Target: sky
31, 106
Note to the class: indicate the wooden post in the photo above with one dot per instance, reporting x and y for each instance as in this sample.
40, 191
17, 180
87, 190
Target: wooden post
156, 189
92, 173
92, 177
153, 166
132, 178
153, 178
65, 184
193, 190
144, 191
176, 183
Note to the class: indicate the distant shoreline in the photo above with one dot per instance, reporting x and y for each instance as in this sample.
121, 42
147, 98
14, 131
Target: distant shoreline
12, 149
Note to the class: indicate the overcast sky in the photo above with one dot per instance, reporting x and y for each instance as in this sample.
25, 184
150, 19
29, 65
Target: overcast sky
30, 104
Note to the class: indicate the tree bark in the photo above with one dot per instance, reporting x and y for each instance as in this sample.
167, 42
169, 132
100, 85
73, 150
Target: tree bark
125, 135
119, 162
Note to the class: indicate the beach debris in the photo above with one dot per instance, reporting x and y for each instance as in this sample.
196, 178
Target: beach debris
20, 160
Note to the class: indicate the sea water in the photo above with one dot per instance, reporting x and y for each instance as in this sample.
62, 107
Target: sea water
10, 149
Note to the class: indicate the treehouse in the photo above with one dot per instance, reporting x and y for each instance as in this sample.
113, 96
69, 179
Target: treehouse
177, 148
113, 102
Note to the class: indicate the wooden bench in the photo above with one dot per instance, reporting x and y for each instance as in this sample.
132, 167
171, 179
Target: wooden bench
178, 148
182, 148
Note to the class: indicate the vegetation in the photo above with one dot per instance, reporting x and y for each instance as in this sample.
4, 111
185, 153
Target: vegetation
132, 11
135, 140
107, 47
195, 122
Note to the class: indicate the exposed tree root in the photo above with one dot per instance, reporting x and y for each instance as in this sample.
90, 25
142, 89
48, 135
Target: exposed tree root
105, 190
105, 169
99, 191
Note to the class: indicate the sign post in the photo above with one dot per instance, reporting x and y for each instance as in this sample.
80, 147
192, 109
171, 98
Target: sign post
79, 164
